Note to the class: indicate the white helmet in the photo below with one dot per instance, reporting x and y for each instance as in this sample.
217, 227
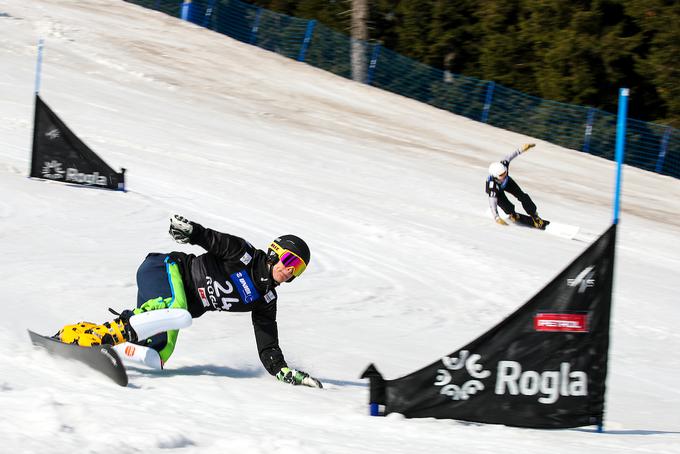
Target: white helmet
496, 169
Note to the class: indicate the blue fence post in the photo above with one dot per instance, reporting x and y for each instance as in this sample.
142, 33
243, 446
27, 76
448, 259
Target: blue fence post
157, 5
372, 64
185, 12
487, 102
662, 150
38, 66
208, 13
256, 26
589, 130
308, 38
620, 147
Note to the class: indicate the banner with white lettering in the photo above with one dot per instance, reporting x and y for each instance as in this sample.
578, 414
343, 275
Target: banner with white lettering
544, 366
59, 155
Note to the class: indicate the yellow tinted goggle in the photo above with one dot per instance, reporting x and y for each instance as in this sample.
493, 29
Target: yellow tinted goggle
289, 258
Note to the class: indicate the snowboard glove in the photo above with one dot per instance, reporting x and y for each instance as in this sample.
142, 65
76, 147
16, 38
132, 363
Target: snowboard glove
297, 377
154, 304
499, 220
526, 147
180, 229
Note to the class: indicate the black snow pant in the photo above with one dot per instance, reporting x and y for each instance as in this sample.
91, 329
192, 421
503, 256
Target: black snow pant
514, 189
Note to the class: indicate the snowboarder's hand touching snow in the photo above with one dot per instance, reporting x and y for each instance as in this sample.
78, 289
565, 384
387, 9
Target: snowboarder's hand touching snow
297, 377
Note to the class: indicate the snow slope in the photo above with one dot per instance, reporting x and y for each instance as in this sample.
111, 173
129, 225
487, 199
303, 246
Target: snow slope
406, 266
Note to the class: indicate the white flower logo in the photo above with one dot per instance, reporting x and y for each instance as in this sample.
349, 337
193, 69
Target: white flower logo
53, 170
470, 387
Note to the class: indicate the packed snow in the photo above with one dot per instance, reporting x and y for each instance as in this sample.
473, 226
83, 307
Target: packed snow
407, 265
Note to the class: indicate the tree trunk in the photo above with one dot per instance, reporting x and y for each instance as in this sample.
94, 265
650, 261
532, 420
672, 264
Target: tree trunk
359, 39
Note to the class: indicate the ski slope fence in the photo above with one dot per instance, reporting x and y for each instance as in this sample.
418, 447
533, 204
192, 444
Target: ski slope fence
649, 146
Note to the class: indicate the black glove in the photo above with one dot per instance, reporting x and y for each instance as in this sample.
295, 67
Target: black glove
180, 229
297, 377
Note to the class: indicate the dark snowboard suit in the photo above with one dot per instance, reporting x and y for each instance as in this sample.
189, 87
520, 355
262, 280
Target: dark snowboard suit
496, 192
232, 276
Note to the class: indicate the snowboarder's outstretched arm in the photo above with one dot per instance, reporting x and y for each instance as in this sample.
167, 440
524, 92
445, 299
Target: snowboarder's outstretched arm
267, 338
517, 152
222, 245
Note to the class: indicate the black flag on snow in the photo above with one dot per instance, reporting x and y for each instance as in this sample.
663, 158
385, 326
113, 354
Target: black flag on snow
544, 366
59, 155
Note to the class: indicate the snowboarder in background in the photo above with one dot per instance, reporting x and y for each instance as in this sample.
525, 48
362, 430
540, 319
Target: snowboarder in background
499, 182
175, 287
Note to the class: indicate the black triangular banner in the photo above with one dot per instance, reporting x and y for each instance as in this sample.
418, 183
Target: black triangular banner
544, 366
59, 155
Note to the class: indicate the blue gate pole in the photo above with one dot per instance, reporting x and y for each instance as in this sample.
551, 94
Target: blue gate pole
185, 12
662, 150
620, 147
38, 66
308, 38
487, 103
373, 64
589, 130
256, 26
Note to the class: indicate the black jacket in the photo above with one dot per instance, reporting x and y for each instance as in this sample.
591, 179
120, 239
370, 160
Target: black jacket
233, 276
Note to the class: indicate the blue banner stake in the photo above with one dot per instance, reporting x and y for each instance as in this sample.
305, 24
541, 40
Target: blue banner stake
38, 66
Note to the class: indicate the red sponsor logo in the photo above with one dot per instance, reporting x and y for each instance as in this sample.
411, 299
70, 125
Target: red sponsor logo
130, 350
573, 323
204, 297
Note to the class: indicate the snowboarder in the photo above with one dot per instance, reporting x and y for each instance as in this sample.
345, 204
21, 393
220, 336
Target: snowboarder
175, 287
499, 182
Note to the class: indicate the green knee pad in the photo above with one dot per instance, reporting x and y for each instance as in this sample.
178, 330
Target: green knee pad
178, 300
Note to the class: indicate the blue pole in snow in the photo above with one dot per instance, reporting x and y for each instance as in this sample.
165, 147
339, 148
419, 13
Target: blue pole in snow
662, 151
186, 10
487, 102
372, 64
38, 66
589, 130
620, 146
256, 26
208, 14
308, 38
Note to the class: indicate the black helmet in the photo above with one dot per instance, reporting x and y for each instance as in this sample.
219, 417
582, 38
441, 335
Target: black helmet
292, 251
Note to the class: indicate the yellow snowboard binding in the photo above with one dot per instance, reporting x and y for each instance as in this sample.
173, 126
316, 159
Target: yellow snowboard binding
87, 334
538, 222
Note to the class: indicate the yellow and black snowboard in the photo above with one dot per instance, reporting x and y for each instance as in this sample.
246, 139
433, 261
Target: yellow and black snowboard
527, 221
102, 358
